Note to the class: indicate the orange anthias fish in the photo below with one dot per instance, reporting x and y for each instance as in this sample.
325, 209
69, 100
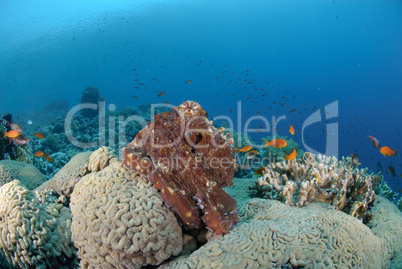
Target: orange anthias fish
277, 143
245, 148
291, 130
49, 159
375, 142
11, 134
38, 153
39, 135
387, 151
291, 156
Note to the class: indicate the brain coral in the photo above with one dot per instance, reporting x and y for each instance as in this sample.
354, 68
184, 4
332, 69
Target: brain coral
27, 174
63, 181
274, 235
101, 158
120, 221
33, 234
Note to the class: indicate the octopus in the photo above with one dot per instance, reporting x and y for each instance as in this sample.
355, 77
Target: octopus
190, 162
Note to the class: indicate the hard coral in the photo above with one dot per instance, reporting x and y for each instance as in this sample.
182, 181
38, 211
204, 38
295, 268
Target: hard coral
274, 235
29, 176
119, 221
189, 161
64, 181
322, 179
33, 233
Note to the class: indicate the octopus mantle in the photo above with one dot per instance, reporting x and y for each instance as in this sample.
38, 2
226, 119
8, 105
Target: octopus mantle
189, 161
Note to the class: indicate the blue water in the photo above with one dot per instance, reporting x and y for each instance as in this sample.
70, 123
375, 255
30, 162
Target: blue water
312, 53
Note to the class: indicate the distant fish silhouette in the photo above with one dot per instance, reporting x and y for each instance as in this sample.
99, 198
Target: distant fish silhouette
391, 171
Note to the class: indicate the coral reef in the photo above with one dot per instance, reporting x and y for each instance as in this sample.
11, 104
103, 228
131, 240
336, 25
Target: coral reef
101, 158
321, 179
189, 161
274, 235
12, 151
33, 233
64, 181
28, 175
118, 129
240, 140
119, 221
90, 96
274, 154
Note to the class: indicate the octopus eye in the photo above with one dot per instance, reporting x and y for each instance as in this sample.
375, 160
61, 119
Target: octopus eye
188, 134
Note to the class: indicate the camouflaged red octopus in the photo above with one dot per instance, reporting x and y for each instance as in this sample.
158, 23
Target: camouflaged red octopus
189, 161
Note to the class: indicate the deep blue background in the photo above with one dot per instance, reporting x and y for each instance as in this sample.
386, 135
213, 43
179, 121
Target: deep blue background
311, 53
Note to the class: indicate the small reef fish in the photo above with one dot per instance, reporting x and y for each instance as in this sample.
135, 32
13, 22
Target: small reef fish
391, 171
277, 143
49, 159
291, 130
39, 135
254, 152
161, 94
355, 159
387, 151
245, 148
15, 126
11, 134
259, 171
188, 81
251, 155
258, 130
45, 156
375, 142
291, 156
21, 140
38, 153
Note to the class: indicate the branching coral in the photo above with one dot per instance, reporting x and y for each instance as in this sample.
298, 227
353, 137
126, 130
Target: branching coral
321, 179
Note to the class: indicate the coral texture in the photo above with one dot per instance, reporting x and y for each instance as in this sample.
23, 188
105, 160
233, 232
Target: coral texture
101, 158
119, 221
27, 174
321, 179
274, 235
386, 223
33, 234
63, 181
189, 161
